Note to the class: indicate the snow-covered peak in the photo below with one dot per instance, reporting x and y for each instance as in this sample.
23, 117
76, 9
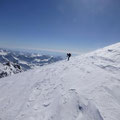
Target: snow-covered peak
3, 52
85, 88
9, 69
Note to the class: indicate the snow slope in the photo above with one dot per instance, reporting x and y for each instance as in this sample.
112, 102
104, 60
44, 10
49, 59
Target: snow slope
85, 88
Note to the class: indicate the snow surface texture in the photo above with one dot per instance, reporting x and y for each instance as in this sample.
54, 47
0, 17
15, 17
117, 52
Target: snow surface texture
85, 88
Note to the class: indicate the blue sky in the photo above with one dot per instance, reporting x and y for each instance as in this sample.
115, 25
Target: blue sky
59, 25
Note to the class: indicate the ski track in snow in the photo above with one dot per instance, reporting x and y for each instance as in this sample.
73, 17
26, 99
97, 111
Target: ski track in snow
85, 88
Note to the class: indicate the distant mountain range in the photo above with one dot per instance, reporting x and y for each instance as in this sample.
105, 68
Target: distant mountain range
12, 62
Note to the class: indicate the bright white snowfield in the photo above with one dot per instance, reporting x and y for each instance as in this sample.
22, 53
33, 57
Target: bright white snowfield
85, 88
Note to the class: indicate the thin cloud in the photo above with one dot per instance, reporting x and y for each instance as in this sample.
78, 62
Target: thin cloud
41, 49
96, 6
59, 51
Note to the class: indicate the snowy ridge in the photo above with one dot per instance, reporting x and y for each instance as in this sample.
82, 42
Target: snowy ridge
85, 88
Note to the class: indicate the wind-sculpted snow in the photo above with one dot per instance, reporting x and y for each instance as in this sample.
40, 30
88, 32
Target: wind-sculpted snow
79, 89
